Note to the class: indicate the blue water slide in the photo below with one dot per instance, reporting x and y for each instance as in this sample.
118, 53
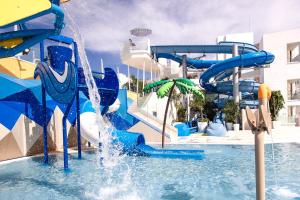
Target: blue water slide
243, 61
219, 70
192, 63
134, 144
107, 84
225, 48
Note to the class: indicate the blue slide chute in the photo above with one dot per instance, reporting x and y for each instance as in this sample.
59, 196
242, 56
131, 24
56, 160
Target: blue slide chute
134, 144
243, 61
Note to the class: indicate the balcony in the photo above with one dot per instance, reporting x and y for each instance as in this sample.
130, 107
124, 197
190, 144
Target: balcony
138, 55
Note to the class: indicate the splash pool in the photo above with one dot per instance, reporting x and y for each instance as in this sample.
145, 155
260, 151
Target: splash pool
227, 172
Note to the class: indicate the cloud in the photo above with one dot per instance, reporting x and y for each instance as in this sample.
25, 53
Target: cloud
105, 24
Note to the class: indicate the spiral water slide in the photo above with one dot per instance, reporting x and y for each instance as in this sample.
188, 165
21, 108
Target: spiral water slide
212, 80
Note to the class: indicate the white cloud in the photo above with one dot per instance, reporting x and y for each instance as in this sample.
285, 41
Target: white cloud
105, 24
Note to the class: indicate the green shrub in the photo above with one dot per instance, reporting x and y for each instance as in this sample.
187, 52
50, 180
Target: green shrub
276, 103
232, 112
181, 114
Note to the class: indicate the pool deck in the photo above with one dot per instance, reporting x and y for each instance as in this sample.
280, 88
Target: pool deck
279, 135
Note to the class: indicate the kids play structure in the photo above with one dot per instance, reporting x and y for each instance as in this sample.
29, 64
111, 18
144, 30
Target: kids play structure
49, 102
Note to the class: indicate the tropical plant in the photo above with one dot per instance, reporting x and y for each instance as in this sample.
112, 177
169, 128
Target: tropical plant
181, 113
176, 99
197, 106
276, 103
210, 110
232, 111
166, 88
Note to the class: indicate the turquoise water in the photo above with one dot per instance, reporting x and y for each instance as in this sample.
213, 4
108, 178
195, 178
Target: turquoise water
227, 172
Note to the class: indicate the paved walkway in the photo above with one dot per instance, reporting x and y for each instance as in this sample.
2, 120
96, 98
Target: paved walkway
280, 135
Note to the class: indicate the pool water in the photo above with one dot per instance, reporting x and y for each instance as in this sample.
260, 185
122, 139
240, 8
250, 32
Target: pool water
227, 172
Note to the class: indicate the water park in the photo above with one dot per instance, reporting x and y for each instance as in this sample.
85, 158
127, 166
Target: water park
173, 121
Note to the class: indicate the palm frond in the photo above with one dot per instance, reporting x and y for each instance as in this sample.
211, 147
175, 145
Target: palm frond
184, 89
164, 89
150, 86
185, 81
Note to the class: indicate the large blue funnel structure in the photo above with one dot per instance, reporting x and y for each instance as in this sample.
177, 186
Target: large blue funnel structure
58, 56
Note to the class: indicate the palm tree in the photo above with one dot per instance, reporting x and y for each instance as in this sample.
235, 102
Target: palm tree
166, 87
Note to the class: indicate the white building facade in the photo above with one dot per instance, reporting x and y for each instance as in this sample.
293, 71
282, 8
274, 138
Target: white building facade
284, 73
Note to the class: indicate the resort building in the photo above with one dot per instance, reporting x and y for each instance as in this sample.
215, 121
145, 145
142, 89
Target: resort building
284, 73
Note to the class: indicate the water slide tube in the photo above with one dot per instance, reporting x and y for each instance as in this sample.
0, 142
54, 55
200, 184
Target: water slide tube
131, 143
219, 70
242, 61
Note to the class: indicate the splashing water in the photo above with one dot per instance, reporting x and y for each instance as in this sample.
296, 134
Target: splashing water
110, 154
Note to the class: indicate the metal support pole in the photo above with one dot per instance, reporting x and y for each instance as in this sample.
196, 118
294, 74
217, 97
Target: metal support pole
184, 75
128, 75
77, 101
65, 136
184, 66
188, 107
42, 54
44, 105
236, 95
137, 82
45, 138
65, 142
144, 76
78, 125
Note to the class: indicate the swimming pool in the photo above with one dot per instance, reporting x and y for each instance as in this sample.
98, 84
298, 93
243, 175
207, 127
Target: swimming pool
227, 172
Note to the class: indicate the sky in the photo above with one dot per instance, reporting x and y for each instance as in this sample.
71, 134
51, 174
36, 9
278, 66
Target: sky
105, 24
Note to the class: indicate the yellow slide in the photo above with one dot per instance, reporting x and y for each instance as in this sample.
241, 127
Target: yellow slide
17, 68
15, 10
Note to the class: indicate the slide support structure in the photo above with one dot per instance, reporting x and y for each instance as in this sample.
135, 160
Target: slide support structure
77, 102
236, 96
184, 75
44, 106
45, 137
65, 136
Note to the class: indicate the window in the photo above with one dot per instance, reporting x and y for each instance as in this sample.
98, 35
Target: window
293, 89
293, 113
293, 52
